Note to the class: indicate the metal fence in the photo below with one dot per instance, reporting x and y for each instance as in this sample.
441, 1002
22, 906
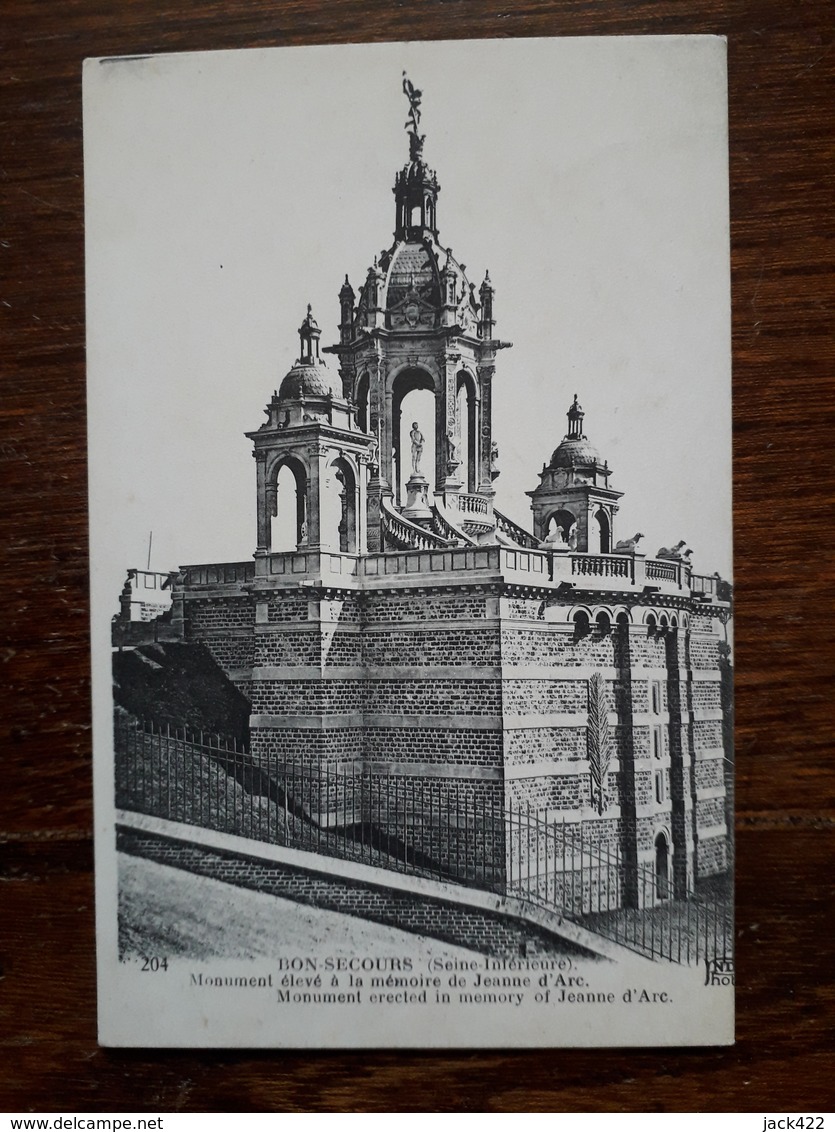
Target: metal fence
437, 828
563, 868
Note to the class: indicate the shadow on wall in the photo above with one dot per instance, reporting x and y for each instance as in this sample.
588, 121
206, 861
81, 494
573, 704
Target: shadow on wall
180, 684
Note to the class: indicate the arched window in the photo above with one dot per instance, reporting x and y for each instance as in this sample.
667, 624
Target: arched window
582, 626
413, 401
604, 531
289, 524
662, 866
338, 508
468, 430
362, 403
603, 622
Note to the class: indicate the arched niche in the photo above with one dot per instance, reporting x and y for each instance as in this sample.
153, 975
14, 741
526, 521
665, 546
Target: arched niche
288, 526
412, 400
582, 623
361, 401
603, 622
663, 869
564, 519
467, 412
604, 531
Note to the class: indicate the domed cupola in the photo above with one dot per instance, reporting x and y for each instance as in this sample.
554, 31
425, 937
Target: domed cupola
574, 507
576, 450
310, 436
309, 378
421, 332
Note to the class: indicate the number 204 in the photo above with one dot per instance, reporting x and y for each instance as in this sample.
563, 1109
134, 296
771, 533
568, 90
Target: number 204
154, 964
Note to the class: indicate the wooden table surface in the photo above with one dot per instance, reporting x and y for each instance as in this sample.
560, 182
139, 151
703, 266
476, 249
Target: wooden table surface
782, 110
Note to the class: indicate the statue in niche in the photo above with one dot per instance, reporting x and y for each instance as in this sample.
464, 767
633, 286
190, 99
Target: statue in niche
452, 450
494, 456
416, 437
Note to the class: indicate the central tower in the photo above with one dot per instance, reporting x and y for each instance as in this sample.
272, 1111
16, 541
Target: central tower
418, 326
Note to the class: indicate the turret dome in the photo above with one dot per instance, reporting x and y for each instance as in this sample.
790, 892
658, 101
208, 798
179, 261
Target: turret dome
309, 377
306, 380
575, 450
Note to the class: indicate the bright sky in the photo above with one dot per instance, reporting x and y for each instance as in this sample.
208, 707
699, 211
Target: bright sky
225, 191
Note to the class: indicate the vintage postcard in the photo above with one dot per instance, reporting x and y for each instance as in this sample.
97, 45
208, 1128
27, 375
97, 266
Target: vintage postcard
410, 480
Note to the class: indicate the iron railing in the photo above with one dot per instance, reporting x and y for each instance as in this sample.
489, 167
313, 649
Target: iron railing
439, 828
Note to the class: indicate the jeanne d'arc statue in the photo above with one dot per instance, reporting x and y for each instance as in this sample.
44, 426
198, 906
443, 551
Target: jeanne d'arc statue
416, 437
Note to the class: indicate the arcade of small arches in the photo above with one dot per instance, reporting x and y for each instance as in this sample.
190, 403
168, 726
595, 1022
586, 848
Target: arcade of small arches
603, 619
314, 502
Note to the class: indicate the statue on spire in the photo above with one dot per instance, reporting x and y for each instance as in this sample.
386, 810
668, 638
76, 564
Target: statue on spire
416, 140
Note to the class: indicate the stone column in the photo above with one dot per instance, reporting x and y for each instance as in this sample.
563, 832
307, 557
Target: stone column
626, 708
264, 514
361, 503
485, 437
451, 481
315, 484
440, 432
387, 426
681, 793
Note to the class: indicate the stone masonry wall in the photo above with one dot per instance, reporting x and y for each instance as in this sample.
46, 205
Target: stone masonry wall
488, 933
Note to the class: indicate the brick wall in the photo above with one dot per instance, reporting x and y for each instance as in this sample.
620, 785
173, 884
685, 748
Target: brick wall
283, 608
433, 697
533, 744
489, 933
704, 652
214, 614
460, 745
302, 697
535, 697
712, 856
706, 697
463, 605
707, 733
477, 647
708, 772
555, 648
303, 744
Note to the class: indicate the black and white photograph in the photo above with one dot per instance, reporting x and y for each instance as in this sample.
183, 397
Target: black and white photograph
410, 491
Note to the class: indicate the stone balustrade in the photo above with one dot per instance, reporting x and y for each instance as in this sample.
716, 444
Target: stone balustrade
472, 504
409, 535
515, 532
218, 573
439, 557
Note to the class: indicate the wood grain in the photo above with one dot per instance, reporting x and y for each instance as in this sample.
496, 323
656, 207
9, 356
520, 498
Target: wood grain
782, 192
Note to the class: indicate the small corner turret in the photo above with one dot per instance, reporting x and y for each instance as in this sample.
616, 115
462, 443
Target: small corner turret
574, 506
